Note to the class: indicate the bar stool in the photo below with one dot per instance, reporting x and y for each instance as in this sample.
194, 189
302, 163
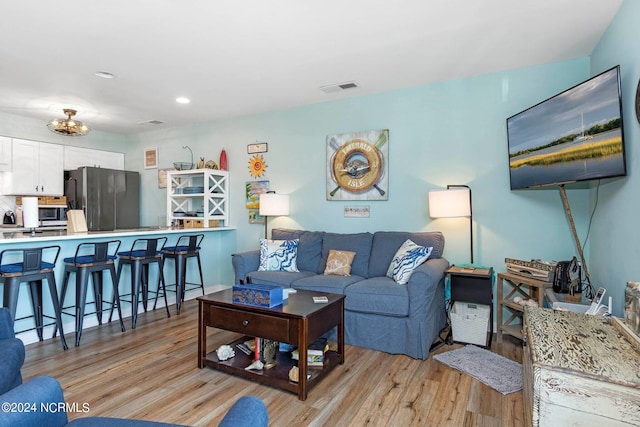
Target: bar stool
143, 253
28, 266
187, 246
92, 264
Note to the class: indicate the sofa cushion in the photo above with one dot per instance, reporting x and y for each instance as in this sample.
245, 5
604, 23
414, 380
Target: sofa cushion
278, 255
322, 283
277, 278
407, 259
386, 243
309, 246
360, 243
339, 263
378, 295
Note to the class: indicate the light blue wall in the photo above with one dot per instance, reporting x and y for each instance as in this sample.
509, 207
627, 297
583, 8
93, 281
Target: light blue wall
445, 133
614, 249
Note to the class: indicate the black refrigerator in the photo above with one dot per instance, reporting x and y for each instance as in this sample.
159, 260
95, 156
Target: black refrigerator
109, 198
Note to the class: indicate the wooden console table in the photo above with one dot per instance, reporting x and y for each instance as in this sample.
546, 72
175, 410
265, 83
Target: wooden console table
524, 287
579, 370
297, 322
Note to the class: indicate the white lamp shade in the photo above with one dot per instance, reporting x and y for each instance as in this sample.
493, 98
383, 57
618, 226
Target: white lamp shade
30, 212
452, 203
272, 204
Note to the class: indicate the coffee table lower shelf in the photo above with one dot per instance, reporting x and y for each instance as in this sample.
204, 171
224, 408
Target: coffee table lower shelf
277, 376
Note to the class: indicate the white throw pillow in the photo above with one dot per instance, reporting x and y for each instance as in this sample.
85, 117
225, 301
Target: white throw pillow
278, 255
408, 257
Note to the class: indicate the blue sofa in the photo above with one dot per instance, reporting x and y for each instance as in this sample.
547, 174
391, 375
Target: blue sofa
379, 313
40, 401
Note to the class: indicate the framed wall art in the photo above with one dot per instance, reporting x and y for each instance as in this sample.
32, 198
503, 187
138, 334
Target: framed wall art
357, 165
151, 158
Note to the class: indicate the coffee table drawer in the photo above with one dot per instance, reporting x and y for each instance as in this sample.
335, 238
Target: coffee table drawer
253, 324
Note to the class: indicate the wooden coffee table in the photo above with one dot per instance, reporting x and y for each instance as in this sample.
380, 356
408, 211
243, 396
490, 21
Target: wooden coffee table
298, 322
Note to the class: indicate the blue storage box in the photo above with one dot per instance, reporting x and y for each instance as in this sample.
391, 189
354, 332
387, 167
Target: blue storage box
258, 295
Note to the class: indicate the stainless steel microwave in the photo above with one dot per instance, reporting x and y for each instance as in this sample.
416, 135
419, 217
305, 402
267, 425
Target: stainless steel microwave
51, 216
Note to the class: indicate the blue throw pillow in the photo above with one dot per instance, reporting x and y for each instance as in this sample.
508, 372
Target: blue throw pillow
278, 255
407, 259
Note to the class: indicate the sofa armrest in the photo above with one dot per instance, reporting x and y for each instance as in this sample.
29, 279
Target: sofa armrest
35, 403
427, 277
248, 411
244, 263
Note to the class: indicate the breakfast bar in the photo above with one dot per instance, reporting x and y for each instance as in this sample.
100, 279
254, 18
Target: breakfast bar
216, 249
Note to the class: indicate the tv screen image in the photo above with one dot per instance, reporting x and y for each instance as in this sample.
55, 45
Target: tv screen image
576, 135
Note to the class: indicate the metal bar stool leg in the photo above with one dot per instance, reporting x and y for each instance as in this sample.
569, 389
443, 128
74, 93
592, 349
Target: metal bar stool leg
161, 282
35, 289
10, 295
57, 308
116, 295
180, 280
200, 272
136, 279
82, 283
96, 277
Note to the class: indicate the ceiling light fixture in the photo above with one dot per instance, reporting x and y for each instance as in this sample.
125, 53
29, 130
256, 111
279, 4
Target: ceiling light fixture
105, 75
183, 100
68, 126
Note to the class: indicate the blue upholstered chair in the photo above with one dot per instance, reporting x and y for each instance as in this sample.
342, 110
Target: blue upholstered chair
11, 353
44, 392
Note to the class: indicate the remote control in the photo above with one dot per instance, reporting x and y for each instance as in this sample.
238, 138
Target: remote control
320, 299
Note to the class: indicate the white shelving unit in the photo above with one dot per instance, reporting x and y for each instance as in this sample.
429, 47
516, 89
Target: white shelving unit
201, 194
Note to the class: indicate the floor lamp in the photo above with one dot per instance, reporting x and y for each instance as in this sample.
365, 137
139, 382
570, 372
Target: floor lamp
454, 202
272, 204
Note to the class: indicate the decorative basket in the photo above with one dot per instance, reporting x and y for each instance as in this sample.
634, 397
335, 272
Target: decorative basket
182, 166
470, 322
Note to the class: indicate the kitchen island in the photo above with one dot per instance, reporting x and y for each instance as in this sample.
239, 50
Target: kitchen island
216, 249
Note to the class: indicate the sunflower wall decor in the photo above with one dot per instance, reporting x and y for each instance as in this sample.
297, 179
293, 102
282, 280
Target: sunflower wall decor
257, 166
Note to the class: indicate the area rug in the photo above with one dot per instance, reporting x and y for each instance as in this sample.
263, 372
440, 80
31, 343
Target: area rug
498, 372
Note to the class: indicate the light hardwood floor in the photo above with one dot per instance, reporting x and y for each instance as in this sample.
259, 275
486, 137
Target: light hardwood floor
151, 373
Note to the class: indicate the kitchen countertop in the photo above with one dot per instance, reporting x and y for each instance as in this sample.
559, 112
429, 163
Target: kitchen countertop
21, 235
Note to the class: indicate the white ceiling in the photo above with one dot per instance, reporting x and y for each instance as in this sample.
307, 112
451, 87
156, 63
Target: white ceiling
236, 58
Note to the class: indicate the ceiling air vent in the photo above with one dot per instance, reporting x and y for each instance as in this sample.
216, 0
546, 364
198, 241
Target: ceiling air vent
151, 122
337, 87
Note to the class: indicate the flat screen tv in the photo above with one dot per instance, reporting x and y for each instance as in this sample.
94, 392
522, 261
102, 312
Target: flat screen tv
576, 135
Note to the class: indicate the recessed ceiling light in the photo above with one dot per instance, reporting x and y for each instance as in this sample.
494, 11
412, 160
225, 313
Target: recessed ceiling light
182, 100
105, 74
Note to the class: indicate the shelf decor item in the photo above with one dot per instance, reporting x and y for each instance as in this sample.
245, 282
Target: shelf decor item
223, 160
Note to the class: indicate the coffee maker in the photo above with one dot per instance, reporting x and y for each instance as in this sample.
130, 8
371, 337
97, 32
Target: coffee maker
9, 218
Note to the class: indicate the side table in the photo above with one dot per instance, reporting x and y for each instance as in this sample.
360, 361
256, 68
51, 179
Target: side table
473, 285
522, 286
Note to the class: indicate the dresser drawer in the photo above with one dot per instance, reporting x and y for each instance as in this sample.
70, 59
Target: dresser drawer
253, 324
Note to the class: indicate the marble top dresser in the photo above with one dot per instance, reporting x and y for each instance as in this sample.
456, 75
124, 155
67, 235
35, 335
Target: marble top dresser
579, 370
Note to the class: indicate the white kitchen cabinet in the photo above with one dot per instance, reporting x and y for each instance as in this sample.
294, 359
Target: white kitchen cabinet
37, 169
5, 154
76, 157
